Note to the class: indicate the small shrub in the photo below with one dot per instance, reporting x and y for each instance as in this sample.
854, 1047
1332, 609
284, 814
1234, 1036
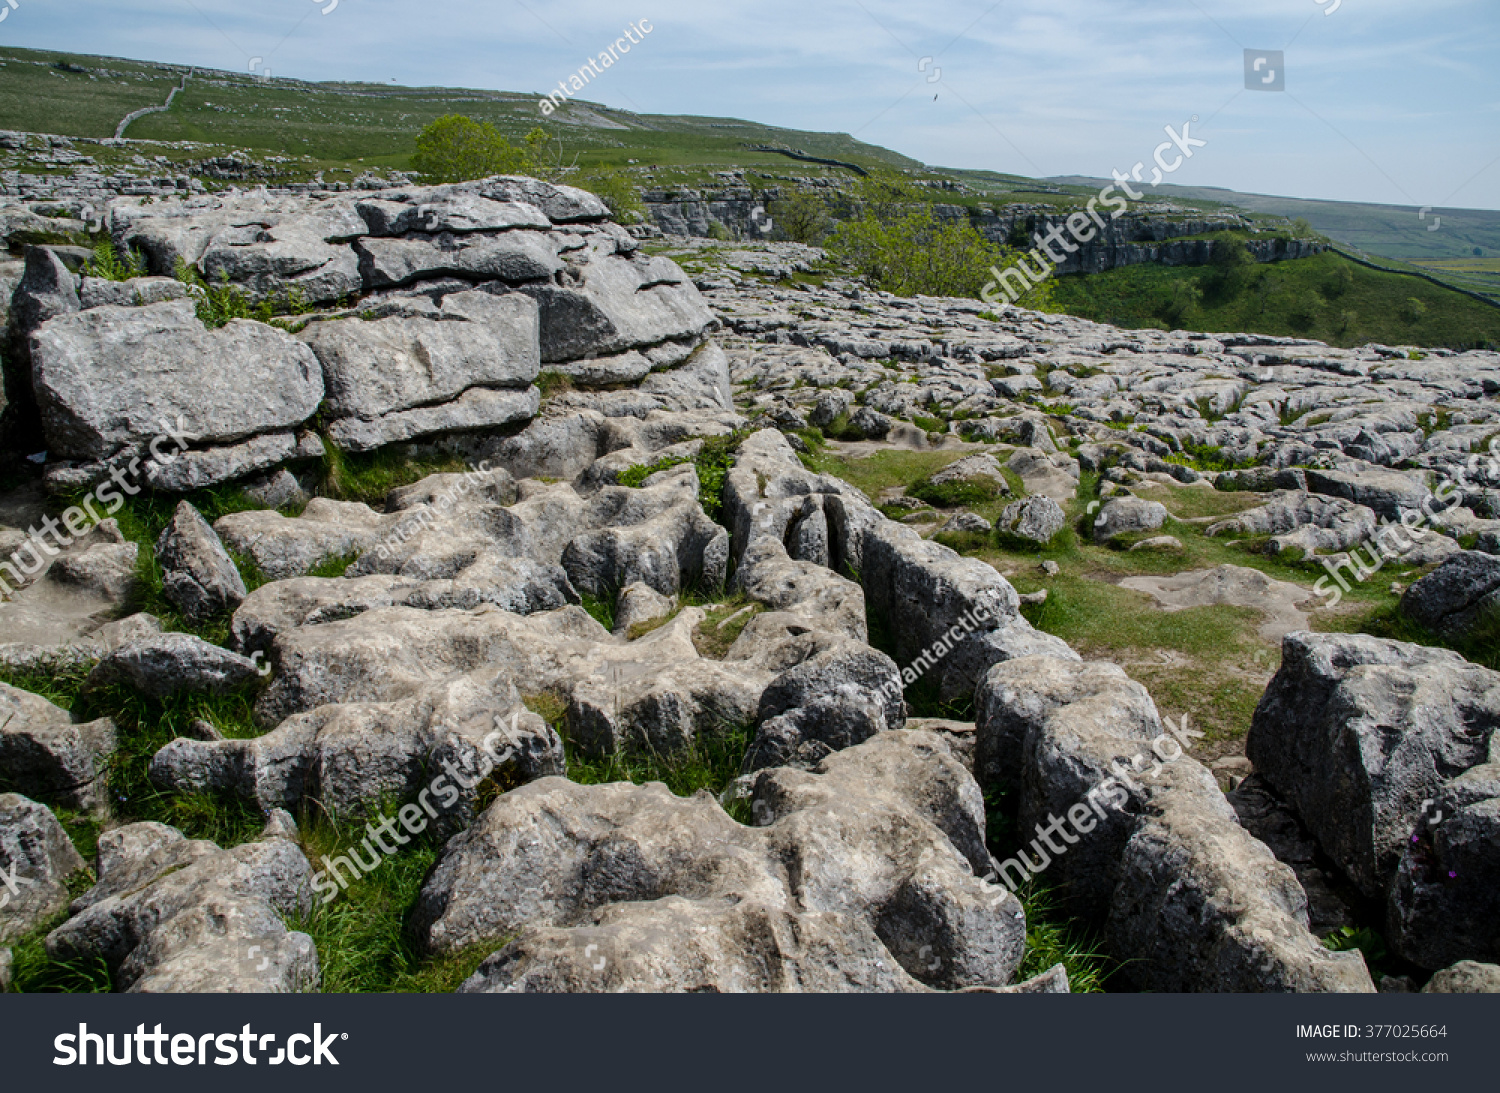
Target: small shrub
959, 493
713, 461
112, 264
615, 188
455, 148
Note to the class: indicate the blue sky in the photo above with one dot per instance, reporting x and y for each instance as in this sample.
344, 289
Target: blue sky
1393, 101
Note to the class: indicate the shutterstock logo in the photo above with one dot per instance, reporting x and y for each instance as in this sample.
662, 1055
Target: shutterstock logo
86, 1048
1265, 70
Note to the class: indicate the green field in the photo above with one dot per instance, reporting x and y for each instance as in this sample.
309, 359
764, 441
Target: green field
1327, 297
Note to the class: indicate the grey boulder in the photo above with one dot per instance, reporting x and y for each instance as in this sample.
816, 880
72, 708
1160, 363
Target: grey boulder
37, 858
596, 884
115, 378
198, 576
166, 664
1128, 515
1465, 977
1358, 732
175, 916
1460, 600
1037, 519
44, 753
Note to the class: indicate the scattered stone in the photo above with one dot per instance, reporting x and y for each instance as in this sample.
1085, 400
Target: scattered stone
1459, 600
198, 576
1036, 518
175, 916
1165, 544
1126, 516
39, 858
44, 753
170, 663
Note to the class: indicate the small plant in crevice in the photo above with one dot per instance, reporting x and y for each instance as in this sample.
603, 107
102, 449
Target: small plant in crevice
713, 462
111, 263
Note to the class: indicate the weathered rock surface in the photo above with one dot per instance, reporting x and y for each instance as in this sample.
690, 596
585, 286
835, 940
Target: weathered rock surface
1037, 519
44, 753
111, 380
38, 858
1465, 977
1360, 734
425, 355
1460, 599
166, 664
1188, 898
673, 895
174, 916
1445, 900
1127, 515
197, 574
350, 758
1309, 522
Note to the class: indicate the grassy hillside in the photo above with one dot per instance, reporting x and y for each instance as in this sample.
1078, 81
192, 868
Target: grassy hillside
351, 127
1327, 297
1458, 246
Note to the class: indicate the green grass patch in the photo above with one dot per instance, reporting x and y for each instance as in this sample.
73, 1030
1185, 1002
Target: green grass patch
38, 973
959, 493
874, 474
713, 461
1053, 938
365, 943
722, 626
145, 727
370, 477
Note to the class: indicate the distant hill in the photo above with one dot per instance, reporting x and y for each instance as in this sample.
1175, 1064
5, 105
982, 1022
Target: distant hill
1395, 232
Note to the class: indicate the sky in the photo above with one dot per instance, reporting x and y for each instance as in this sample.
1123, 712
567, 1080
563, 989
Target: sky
1390, 101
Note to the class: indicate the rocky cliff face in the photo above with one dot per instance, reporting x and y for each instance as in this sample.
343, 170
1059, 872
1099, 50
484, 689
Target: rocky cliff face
1158, 235
660, 476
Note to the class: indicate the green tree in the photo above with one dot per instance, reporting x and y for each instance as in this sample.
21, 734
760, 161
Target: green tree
1414, 310
1233, 268
1185, 298
801, 216
1340, 283
455, 148
897, 242
614, 187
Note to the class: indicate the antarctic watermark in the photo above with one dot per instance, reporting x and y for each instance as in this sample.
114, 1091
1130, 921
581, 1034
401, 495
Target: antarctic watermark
80, 519
580, 79
425, 518
969, 623
1019, 278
